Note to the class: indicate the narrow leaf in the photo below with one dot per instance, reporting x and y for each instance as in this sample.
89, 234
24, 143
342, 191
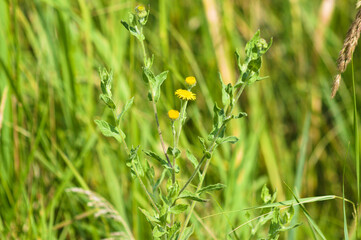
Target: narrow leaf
159, 79
187, 233
126, 107
177, 209
209, 188
230, 139
109, 130
108, 101
155, 156
191, 196
193, 159
149, 217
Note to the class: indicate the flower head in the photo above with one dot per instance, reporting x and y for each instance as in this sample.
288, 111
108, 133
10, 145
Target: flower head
173, 114
185, 94
191, 80
141, 11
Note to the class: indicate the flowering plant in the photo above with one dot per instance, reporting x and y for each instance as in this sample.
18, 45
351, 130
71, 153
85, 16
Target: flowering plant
171, 202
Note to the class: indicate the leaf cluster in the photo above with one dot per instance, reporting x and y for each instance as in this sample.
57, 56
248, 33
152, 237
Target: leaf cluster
279, 220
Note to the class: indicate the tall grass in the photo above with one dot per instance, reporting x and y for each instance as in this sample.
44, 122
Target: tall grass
50, 52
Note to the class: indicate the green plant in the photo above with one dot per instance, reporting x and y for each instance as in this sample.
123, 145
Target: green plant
170, 202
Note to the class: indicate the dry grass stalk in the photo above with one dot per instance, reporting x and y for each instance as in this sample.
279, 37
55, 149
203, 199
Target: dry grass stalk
347, 50
104, 208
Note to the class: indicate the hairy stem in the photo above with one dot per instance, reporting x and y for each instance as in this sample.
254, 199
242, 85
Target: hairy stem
162, 141
156, 112
194, 203
123, 140
181, 120
146, 191
210, 150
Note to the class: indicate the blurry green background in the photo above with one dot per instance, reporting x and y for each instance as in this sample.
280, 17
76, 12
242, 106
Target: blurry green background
50, 52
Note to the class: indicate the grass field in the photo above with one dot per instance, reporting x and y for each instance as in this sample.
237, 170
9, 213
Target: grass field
295, 134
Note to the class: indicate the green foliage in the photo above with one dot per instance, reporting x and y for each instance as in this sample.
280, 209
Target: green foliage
49, 57
134, 164
109, 130
279, 219
209, 188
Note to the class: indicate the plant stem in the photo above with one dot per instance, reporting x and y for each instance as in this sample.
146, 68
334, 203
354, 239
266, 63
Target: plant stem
181, 121
356, 142
174, 140
146, 191
123, 140
156, 112
143, 49
162, 141
194, 203
136, 173
210, 150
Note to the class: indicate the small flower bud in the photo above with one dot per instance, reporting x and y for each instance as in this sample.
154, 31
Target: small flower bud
191, 80
142, 14
173, 114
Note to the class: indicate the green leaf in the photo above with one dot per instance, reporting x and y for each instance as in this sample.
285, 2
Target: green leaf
109, 130
134, 163
203, 142
150, 173
149, 75
209, 188
108, 101
179, 208
218, 119
160, 180
106, 79
238, 57
187, 233
288, 215
126, 107
158, 232
133, 30
159, 79
230, 139
175, 152
255, 65
193, 160
173, 190
149, 216
265, 195
149, 62
172, 232
156, 157
240, 115
226, 99
132, 18
191, 196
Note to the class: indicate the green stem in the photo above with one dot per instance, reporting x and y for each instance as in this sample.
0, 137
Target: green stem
174, 140
181, 121
155, 110
194, 203
210, 150
146, 191
161, 139
356, 142
123, 140
143, 49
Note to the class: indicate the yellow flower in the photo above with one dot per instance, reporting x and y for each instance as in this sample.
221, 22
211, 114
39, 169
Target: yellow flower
141, 11
185, 94
173, 114
191, 80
